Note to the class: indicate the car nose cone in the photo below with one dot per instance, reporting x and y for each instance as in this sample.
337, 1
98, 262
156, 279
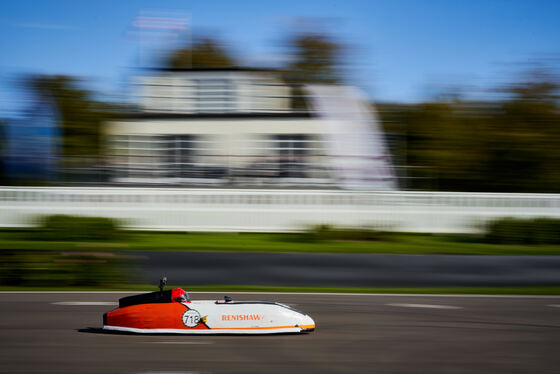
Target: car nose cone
307, 324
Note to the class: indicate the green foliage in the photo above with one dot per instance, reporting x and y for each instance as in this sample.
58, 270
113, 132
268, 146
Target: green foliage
523, 231
316, 58
50, 267
61, 227
390, 242
80, 117
3, 150
204, 53
509, 145
45, 268
330, 233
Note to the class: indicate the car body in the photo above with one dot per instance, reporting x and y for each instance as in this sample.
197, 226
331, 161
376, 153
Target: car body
172, 311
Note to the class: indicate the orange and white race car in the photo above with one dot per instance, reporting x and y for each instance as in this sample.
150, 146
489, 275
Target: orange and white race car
173, 311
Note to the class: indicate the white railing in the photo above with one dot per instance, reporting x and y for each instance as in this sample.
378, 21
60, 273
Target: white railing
272, 210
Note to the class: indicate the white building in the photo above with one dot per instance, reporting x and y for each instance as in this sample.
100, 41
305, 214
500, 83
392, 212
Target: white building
216, 126
229, 90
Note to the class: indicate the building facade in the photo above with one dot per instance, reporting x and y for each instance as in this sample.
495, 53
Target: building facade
216, 127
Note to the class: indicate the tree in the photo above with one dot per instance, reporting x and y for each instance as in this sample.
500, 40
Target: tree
444, 144
523, 151
316, 59
510, 145
204, 53
3, 150
80, 117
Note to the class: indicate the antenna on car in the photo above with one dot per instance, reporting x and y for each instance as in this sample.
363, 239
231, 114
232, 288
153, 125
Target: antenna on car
162, 283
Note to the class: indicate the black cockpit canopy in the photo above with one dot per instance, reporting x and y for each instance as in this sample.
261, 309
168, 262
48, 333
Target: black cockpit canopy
146, 298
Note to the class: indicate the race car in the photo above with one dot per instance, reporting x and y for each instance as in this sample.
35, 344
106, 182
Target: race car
173, 312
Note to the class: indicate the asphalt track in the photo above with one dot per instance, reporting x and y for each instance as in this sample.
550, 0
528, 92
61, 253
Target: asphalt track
345, 269
59, 333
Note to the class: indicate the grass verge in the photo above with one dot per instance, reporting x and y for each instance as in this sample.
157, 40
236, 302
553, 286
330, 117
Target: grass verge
533, 290
396, 243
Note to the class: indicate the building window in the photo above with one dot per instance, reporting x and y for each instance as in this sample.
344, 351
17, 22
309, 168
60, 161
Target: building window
214, 95
179, 152
291, 152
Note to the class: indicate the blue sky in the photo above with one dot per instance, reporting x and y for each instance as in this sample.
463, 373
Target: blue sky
400, 50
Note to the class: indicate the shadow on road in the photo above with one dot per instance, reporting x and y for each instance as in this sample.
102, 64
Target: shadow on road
98, 330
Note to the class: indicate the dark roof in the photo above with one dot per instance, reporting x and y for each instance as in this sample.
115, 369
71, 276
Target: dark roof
233, 115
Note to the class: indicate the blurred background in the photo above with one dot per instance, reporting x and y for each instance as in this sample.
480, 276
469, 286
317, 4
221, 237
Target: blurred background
346, 124
461, 97
355, 158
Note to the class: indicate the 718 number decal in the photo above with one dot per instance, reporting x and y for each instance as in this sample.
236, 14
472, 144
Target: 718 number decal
191, 318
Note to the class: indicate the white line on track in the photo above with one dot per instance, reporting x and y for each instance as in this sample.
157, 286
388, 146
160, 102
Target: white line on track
173, 372
181, 342
430, 306
555, 305
302, 293
85, 303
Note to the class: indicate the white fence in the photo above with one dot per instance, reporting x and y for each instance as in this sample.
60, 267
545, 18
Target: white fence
272, 210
